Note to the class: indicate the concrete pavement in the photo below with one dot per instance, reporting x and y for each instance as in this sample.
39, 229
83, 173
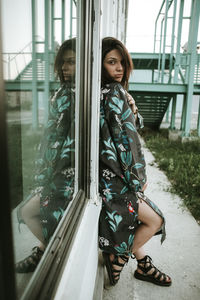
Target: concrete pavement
179, 256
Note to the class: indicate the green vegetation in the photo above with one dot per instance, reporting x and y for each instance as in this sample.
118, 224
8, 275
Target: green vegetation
181, 163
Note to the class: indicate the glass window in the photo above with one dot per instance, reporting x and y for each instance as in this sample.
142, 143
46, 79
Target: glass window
39, 59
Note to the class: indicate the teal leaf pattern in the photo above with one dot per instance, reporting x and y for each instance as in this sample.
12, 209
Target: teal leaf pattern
138, 165
51, 154
66, 147
114, 220
111, 151
62, 103
117, 106
130, 126
101, 122
122, 248
130, 240
58, 213
126, 157
124, 190
126, 114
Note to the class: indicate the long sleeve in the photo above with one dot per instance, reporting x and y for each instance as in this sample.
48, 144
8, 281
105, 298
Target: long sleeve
126, 144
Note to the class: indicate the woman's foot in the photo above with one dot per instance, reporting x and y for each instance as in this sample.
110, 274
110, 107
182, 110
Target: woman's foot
114, 265
30, 263
146, 271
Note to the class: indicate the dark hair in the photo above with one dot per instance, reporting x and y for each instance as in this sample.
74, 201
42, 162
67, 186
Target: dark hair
66, 45
109, 44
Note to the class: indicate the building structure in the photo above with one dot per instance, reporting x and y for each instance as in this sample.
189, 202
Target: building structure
69, 269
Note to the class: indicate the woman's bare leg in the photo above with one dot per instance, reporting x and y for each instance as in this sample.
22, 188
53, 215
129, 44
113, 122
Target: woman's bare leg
30, 213
151, 223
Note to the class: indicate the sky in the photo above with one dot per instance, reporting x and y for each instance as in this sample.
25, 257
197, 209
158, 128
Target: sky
140, 30
141, 24
16, 22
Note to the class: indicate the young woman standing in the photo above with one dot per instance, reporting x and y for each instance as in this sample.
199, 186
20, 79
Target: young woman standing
128, 218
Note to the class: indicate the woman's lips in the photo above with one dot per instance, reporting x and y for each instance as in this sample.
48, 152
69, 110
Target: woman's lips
118, 77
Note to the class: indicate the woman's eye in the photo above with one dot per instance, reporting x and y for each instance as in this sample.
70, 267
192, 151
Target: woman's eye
112, 62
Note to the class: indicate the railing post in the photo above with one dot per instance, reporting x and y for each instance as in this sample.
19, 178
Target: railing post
164, 41
53, 45
167, 114
63, 21
180, 22
46, 59
34, 70
160, 50
192, 43
172, 41
173, 113
52, 26
198, 122
182, 127
71, 19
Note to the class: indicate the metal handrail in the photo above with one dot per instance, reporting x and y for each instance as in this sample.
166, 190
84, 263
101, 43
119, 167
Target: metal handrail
17, 61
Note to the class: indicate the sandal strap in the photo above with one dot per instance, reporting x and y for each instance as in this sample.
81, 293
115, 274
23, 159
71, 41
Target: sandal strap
116, 262
145, 269
29, 263
113, 273
124, 258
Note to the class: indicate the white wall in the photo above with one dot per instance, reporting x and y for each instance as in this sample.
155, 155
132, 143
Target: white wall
113, 18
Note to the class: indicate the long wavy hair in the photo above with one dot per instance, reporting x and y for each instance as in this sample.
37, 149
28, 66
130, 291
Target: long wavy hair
109, 44
66, 45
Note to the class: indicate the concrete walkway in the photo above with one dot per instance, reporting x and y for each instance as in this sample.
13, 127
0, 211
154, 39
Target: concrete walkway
179, 256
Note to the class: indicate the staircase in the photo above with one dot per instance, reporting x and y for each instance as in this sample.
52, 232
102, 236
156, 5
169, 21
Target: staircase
26, 73
152, 104
152, 107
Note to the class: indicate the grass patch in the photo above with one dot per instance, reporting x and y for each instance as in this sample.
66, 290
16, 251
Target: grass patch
181, 163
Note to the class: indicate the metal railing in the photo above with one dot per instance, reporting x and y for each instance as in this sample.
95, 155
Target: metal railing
14, 63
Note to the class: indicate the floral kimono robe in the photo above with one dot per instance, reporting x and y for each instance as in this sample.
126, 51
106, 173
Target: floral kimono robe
121, 172
54, 182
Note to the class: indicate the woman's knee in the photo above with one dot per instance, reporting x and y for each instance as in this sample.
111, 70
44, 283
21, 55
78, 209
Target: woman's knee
148, 216
31, 208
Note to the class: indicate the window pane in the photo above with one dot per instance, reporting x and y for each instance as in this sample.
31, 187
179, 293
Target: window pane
40, 121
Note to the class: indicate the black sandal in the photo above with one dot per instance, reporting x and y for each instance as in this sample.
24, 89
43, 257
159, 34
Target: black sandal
156, 277
109, 266
30, 263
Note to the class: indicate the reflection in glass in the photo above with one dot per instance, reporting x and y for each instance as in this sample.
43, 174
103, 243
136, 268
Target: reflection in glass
54, 180
40, 121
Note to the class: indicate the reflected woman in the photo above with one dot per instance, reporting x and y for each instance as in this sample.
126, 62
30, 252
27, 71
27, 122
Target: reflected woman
54, 182
128, 218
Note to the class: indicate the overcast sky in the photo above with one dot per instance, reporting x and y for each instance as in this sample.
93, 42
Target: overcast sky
141, 24
16, 15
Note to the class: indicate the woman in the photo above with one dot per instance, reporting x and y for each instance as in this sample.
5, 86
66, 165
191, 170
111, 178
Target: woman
54, 182
128, 218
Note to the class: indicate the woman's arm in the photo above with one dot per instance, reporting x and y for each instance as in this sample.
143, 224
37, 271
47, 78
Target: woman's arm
138, 117
124, 135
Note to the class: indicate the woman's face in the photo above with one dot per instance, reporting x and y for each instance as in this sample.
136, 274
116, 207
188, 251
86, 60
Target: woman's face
69, 65
113, 63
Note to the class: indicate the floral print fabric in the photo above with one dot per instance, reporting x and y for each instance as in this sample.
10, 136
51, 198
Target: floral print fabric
121, 172
54, 181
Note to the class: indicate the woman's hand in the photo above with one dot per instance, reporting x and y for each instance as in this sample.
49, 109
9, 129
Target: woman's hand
132, 104
144, 187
